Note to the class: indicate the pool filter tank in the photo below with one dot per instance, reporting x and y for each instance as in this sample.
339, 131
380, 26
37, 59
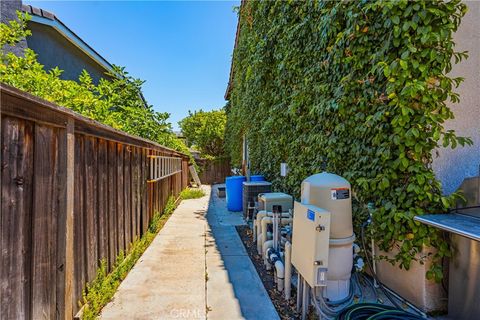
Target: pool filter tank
333, 194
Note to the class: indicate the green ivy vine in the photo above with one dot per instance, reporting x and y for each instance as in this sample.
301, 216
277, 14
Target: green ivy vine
362, 86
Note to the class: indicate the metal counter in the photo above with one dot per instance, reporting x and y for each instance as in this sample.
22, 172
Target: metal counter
458, 223
464, 268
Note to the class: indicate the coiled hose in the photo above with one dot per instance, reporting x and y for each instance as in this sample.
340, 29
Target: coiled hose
375, 311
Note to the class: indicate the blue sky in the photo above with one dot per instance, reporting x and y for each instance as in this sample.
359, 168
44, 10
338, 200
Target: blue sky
182, 49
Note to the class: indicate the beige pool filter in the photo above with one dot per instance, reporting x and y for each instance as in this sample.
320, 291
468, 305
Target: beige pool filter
329, 193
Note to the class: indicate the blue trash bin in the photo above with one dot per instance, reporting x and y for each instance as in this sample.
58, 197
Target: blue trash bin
234, 186
257, 177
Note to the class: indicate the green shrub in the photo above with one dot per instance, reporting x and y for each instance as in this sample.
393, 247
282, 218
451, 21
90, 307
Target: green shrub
360, 86
191, 193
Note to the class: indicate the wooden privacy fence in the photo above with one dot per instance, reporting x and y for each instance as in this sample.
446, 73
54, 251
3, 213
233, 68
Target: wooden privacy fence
74, 192
214, 171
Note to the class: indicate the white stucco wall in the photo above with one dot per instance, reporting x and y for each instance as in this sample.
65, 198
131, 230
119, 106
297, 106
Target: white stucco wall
452, 166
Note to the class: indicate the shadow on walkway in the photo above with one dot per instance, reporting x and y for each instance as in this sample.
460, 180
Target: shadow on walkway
234, 289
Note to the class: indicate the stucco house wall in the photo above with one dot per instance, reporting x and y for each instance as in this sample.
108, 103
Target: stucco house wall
452, 166
53, 50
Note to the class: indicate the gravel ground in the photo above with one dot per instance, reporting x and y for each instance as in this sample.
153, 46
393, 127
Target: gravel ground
286, 310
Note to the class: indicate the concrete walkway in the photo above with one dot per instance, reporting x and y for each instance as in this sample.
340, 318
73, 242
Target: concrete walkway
196, 268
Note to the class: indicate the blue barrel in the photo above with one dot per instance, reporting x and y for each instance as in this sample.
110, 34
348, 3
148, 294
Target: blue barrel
234, 187
257, 177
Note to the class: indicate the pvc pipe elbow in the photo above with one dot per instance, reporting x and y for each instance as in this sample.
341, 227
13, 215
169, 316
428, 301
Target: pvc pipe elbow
280, 272
280, 269
264, 222
266, 245
257, 222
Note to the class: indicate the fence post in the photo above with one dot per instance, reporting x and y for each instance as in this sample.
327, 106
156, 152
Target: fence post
69, 276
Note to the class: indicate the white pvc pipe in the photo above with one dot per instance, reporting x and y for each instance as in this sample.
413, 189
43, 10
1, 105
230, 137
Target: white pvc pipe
305, 299
257, 223
265, 221
259, 244
280, 271
275, 223
263, 237
255, 229
288, 270
258, 220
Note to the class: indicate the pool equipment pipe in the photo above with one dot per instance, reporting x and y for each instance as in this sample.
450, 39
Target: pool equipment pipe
263, 236
257, 222
288, 270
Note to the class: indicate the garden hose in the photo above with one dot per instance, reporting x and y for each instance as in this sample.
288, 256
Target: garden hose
374, 311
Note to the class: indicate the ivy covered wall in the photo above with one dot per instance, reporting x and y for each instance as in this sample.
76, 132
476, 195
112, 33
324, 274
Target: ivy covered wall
360, 87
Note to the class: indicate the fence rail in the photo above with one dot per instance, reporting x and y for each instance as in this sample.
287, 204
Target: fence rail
74, 191
163, 167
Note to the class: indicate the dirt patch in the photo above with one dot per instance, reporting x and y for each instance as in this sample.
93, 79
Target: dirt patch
286, 310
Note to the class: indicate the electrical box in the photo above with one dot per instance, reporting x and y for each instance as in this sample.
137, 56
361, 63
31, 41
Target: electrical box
310, 243
266, 201
283, 169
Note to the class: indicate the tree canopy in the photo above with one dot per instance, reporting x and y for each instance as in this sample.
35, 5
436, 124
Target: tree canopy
205, 131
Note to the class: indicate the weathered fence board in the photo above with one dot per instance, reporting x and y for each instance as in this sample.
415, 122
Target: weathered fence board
44, 225
74, 192
61, 221
15, 236
112, 201
128, 196
65, 268
120, 199
90, 203
102, 188
79, 228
